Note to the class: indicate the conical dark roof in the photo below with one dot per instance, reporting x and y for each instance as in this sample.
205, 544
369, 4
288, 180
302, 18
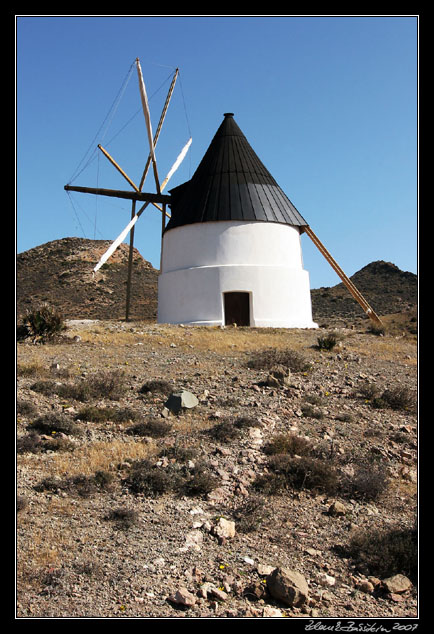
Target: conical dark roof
231, 183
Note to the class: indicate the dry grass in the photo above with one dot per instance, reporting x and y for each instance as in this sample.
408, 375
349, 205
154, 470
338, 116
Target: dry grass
100, 456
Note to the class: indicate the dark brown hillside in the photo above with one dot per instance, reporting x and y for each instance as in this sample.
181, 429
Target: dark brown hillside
60, 273
387, 289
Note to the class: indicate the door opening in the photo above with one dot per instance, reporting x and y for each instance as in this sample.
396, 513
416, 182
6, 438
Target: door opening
237, 308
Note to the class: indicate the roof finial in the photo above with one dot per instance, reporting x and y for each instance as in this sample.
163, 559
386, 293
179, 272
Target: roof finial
228, 114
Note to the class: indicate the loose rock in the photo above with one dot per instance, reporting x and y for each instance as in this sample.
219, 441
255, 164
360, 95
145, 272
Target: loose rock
288, 586
182, 400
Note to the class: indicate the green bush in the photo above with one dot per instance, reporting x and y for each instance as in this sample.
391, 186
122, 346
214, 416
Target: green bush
42, 323
327, 342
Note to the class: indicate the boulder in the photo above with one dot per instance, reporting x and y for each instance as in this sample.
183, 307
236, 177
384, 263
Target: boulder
181, 400
288, 586
397, 584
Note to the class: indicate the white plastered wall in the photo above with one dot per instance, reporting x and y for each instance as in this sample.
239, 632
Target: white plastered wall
202, 261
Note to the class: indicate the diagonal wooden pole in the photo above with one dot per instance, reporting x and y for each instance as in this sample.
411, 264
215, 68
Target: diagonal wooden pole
346, 280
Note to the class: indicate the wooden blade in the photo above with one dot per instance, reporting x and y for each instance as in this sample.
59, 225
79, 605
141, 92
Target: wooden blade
145, 107
177, 163
160, 124
121, 237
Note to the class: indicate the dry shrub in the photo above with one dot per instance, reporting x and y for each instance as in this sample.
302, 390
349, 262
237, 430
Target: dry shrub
149, 480
53, 423
123, 518
42, 324
152, 480
384, 552
305, 472
82, 485
251, 514
154, 428
231, 428
156, 385
397, 398
369, 482
267, 359
288, 444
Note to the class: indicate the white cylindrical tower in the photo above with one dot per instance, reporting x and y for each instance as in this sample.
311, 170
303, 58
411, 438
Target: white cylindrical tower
231, 252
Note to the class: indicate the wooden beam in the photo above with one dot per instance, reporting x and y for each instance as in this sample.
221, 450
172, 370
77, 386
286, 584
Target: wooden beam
113, 162
346, 280
115, 193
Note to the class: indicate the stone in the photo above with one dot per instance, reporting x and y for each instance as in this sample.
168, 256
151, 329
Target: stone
255, 591
366, 586
397, 584
326, 580
264, 570
338, 509
181, 400
288, 586
183, 597
224, 529
278, 376
271, 613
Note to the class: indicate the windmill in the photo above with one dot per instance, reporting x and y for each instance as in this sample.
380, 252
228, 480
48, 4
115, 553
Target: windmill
232, 249
136, 195
228, 188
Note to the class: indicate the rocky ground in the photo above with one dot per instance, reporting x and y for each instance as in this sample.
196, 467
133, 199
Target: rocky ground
128, 508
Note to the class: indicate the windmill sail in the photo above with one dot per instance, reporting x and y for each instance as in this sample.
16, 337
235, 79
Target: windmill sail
121, 237
145, 107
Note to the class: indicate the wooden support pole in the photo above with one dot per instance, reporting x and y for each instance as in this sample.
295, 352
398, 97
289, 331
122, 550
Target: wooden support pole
130, 264
346, 280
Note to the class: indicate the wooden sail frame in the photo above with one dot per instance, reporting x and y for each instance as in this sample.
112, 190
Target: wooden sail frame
137, 194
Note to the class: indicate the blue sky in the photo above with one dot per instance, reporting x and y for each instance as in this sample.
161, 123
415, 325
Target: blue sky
329, 104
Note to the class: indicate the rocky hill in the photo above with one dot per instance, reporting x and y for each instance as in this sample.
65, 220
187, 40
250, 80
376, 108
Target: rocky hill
60, 273
386, 288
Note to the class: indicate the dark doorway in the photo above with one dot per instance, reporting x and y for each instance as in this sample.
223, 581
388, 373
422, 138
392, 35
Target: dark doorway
237, 309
